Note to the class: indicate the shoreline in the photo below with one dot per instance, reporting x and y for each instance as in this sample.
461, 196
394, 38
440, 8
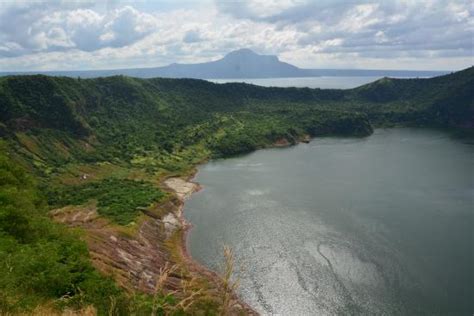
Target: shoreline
135, 256
185, 227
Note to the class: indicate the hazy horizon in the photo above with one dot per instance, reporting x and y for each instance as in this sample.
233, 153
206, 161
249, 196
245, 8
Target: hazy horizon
216, 59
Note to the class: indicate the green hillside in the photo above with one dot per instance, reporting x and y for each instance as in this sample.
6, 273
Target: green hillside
126, 118
112, 141
445, 101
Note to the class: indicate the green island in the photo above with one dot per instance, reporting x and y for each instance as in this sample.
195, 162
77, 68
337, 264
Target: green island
84, 165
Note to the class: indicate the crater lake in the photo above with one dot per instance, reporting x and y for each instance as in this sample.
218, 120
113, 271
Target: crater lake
373, 225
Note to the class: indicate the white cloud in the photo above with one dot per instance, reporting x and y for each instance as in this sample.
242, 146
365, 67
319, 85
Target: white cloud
370, 34
53, 29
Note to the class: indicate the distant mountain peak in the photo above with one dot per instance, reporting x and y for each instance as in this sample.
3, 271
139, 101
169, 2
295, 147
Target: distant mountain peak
246, 54
242, 52
240, 63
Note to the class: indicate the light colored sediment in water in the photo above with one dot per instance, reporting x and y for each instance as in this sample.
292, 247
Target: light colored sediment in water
181, 187
183, 190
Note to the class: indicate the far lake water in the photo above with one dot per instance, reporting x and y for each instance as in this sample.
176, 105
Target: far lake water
365, 226
309, 82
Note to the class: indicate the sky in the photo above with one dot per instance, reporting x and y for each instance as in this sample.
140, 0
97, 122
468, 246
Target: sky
80, 35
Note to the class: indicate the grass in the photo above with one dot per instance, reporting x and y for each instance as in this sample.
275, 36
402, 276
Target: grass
117, 199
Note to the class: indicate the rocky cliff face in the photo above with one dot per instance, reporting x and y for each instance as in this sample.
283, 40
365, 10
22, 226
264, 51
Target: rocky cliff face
136, 259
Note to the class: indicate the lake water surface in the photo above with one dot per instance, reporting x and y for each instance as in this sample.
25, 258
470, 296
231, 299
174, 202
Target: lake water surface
376, 225
307, 82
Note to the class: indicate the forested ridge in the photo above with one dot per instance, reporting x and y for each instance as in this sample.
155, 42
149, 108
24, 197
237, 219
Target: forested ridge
111, 141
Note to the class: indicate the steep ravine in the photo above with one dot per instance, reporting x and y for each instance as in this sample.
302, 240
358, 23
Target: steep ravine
136, 259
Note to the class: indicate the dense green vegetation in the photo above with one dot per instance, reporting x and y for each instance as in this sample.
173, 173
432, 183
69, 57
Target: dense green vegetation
445, 101
41, 260
160, 127
46, 264
125, 118
118, 199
